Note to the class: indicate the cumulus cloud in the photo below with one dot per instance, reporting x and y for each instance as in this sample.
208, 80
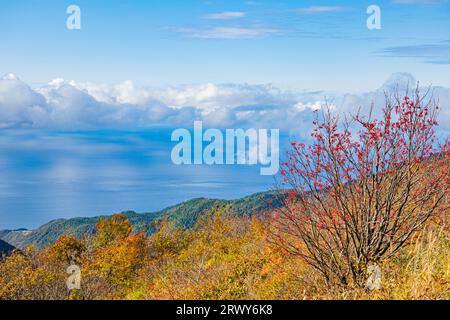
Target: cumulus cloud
74, 105
19, 104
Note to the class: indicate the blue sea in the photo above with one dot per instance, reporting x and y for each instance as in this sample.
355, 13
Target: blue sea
46, 175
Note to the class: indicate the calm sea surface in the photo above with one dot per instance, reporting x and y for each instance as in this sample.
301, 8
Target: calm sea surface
47, 175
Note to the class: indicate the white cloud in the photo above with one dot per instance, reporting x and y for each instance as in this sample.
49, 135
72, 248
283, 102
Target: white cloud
73, 105
19, 104
320, 9
228, 33
227, 15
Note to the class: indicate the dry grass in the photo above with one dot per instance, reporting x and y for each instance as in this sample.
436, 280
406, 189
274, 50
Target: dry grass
421, 271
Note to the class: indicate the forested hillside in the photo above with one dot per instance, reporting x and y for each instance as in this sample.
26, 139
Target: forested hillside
5, 248
183, 215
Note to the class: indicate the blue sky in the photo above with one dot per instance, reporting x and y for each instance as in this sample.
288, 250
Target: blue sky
86, 115
292, 44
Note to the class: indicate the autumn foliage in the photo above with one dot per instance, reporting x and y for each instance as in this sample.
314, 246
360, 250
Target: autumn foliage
352, 199
223, 257
355, 197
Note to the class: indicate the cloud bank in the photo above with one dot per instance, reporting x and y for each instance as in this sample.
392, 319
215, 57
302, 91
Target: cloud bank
63, 104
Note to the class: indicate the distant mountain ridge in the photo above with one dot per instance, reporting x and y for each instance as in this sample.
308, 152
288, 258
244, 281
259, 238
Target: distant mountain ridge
184, 215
